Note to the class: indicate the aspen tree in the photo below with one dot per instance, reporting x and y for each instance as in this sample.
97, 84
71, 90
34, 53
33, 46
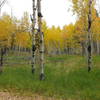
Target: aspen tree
83, 8
89, 36
1, 49
33, 19
41, 39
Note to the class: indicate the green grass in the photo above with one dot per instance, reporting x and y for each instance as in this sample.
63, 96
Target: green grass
66, 77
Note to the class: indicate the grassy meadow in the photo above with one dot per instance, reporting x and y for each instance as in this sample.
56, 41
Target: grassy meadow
66, 77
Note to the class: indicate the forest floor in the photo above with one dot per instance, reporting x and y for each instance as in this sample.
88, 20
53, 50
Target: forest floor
67, 78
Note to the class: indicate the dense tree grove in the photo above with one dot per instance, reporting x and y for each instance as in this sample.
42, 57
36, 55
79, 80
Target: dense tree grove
15, 33
71, 39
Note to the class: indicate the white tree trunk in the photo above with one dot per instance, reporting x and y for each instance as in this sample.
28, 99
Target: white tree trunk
41, 39
33, 19
89, 36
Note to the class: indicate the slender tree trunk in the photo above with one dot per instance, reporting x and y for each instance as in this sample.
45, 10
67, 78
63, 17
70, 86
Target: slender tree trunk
83, 48
1, 60
41, 39
12, 41
89, 41
98, 49
33, 19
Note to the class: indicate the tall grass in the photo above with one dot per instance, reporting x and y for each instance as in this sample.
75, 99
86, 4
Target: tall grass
66, 77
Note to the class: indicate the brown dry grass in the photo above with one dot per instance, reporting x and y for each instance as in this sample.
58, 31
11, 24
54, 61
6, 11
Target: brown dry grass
12, 96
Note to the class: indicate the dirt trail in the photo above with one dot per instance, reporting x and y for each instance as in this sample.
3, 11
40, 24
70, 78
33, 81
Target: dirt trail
9, 96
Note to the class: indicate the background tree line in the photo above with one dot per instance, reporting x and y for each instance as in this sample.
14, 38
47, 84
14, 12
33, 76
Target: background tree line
71, 39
